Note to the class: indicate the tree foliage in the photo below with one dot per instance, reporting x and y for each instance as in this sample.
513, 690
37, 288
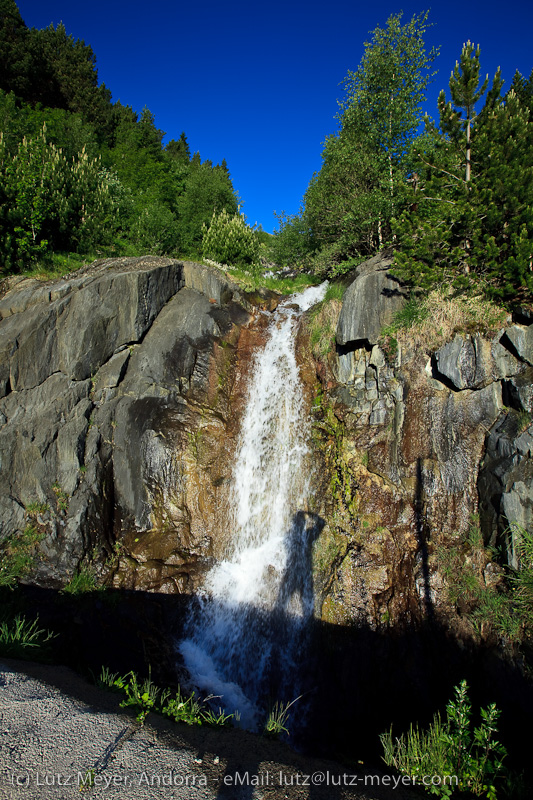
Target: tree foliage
350, 202
468, 219
79, 173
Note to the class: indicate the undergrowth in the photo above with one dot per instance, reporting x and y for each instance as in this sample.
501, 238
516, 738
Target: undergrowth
323, 319
429, 322
465, 761
277, 719
256, 276
22, 638
145, 696
503, 605
330, 432
17, 555
84, 580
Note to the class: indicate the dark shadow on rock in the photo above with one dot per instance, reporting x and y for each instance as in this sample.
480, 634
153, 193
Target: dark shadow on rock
363, 680
421, 534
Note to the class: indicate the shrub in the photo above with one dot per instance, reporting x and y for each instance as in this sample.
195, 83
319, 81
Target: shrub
229, 240
471, 761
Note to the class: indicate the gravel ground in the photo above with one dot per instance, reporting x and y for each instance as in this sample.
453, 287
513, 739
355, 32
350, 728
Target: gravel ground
59, 736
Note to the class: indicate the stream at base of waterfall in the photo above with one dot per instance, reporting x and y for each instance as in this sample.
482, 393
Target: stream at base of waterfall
246, 636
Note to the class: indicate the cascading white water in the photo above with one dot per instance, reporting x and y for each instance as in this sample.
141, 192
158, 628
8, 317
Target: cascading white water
247, 630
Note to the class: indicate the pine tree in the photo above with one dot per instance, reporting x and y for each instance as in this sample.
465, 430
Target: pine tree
466, 92
179, 150
469, 221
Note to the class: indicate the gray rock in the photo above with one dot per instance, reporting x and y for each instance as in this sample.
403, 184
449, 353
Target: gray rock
466, 362
80, 330
110, 374
369, 303
505, 364
101, 374
521, 338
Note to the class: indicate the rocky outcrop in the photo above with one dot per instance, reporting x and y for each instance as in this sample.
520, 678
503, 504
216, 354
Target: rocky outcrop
118, 386
370, 302
413, 443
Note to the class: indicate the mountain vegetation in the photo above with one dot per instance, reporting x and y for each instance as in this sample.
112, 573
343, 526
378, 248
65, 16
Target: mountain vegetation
81, 174
454, 198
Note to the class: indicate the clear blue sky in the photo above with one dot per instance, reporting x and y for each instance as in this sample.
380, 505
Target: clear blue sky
258, 83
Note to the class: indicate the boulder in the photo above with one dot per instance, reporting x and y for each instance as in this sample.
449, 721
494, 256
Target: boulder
370, 302
521, 338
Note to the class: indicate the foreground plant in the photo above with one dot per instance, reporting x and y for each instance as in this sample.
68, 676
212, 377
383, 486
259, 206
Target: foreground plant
451, 750
277, 719
179, 707
20, 637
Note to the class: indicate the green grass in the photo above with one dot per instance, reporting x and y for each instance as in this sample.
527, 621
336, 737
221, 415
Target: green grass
17, 555
277, 719
145, 696
22, 638
506, 608
35, 509
335, 291
323, 319
256, 277
83, 581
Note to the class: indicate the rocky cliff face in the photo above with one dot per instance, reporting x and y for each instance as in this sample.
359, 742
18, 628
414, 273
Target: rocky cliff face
414, 443
119, 394
121, 389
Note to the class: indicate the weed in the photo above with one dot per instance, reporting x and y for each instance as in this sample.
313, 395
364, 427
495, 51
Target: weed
524, 420
195, 442
88, 780
323, 321
254, 277
183, 709
106, 680
20, 638
330, 432
278, 716
217, 720
62, 498
522, 580
179, 707
474, 759
17, 555
142, 696
36, 509
335, 291
505, 608
428, 323
83, 581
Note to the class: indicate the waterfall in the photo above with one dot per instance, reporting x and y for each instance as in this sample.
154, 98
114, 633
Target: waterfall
246, 633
